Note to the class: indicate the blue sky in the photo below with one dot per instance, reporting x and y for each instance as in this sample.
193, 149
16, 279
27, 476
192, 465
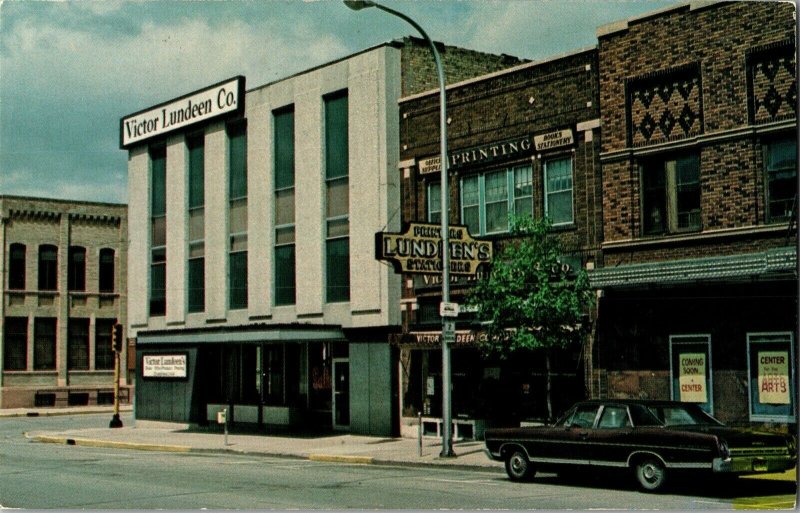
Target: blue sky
70, 70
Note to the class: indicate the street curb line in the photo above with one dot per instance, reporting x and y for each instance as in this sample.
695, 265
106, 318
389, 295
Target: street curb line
104, 443
341, 458
58, 413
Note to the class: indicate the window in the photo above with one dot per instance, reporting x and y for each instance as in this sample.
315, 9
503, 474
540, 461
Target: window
44, 343
781, 160
103, 352
488, 199
106, 270
583, 417
614, 417
76, 273
237, 189
435, 202
158, 237
48, 267
690, 363
16, 267
558, 191
285, 280
78, 344
337, 251
15, 344
771, 375
671, 195
196, 265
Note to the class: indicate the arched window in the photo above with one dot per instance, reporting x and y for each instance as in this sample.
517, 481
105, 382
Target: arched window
106, 274
76, 274
16, 267
48, 267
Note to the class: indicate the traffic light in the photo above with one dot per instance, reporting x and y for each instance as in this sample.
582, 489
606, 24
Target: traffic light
116, 338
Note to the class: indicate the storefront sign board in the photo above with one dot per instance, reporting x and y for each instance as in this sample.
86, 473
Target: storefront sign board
554, 139
773, 377
692, 378
485, 153
164, 366
197, 107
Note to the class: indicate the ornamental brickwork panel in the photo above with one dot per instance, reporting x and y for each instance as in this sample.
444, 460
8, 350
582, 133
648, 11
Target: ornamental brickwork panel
773, 84
666, 106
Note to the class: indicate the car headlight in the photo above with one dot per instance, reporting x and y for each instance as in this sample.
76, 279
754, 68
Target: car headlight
724, 451
791, 444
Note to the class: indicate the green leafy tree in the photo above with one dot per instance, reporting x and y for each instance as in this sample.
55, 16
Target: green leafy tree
529, 301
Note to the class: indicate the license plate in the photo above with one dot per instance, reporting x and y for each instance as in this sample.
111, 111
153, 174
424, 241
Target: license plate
759, 466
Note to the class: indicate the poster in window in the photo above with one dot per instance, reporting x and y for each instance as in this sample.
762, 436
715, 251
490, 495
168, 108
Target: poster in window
692, 378
773, 377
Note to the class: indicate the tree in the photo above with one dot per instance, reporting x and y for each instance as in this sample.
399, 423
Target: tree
530, 299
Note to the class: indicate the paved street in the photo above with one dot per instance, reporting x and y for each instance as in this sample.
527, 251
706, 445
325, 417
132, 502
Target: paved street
47, 475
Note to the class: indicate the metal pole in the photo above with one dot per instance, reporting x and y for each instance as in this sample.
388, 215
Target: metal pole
448, 328
419, 432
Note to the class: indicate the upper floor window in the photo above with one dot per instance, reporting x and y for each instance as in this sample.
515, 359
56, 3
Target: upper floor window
16, 267
106, 270
558, 191
337, 185
196, 263
285, 281
76, 273
435, 202
48, 267
671, 195
237, 216
158, 236
781, 164
487, 199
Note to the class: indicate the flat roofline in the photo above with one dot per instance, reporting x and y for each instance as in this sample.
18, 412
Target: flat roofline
59, 200
494, 74
621, 25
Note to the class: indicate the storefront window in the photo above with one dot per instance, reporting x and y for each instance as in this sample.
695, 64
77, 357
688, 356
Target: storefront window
319, 364
770, 358
690, 363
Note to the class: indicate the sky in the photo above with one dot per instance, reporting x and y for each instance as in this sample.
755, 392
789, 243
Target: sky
69, 70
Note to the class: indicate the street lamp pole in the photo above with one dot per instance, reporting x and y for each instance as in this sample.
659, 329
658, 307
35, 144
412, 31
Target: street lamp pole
448, 325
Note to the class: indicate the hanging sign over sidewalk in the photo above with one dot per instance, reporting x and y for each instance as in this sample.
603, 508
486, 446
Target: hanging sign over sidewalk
418, 250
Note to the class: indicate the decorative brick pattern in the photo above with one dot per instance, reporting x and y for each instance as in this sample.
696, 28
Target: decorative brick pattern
773, 84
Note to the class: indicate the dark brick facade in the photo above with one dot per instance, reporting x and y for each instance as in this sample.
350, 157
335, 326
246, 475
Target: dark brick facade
717, 82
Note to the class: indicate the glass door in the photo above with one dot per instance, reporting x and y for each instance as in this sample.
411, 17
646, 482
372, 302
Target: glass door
341, 393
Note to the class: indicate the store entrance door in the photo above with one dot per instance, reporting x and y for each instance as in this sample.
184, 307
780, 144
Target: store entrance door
341, 393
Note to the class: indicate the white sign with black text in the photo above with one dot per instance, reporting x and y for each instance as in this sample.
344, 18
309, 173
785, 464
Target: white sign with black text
164, 366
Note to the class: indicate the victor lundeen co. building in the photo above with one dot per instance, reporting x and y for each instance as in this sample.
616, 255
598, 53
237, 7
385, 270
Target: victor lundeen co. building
254, 286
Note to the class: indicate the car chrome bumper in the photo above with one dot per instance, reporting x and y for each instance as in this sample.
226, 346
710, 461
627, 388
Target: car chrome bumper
754, 464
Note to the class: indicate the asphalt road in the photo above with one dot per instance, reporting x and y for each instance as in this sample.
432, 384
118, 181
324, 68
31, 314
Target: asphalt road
45, 476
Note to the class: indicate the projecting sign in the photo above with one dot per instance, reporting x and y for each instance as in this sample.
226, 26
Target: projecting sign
417, 250
203, 105
164, 366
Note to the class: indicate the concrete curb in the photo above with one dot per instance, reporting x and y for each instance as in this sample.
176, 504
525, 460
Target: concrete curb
57, 413
321, 457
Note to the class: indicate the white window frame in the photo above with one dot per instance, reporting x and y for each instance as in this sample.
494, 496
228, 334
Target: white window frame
789, 338
571, 189
510, 172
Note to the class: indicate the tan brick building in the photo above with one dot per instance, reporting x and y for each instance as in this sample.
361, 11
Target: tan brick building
63, 287
699, 285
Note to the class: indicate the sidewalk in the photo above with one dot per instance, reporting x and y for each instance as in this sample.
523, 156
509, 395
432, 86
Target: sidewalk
343, 448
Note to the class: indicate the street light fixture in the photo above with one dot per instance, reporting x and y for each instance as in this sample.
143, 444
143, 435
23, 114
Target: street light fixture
448, 325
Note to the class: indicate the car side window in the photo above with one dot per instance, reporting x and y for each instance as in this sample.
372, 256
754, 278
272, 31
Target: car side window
583, 417
614, 417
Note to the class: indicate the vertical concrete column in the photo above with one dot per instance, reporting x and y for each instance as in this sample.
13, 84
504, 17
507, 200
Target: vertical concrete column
134, 268
309, 188
216, 222
62, 341
29, 350
121, 279
3, 217
92, 339
176, 230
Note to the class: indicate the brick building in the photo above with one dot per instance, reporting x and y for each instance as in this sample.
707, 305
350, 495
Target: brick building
521, 141
253, 283
698, 105
63, 288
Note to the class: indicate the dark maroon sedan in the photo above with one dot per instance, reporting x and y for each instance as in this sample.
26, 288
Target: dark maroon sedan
652, 438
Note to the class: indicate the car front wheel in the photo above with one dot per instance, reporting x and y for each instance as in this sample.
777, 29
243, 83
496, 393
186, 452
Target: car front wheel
651, 474
518, 467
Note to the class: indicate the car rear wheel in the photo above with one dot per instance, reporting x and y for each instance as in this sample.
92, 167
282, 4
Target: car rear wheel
651, 474
518, 467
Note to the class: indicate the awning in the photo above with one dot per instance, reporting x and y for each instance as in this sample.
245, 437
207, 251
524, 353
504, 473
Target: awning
763, 264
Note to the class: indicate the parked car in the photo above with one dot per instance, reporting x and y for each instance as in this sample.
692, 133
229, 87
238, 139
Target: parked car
652, 438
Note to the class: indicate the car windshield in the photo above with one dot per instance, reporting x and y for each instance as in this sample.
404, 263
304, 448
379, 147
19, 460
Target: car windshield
683, 415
